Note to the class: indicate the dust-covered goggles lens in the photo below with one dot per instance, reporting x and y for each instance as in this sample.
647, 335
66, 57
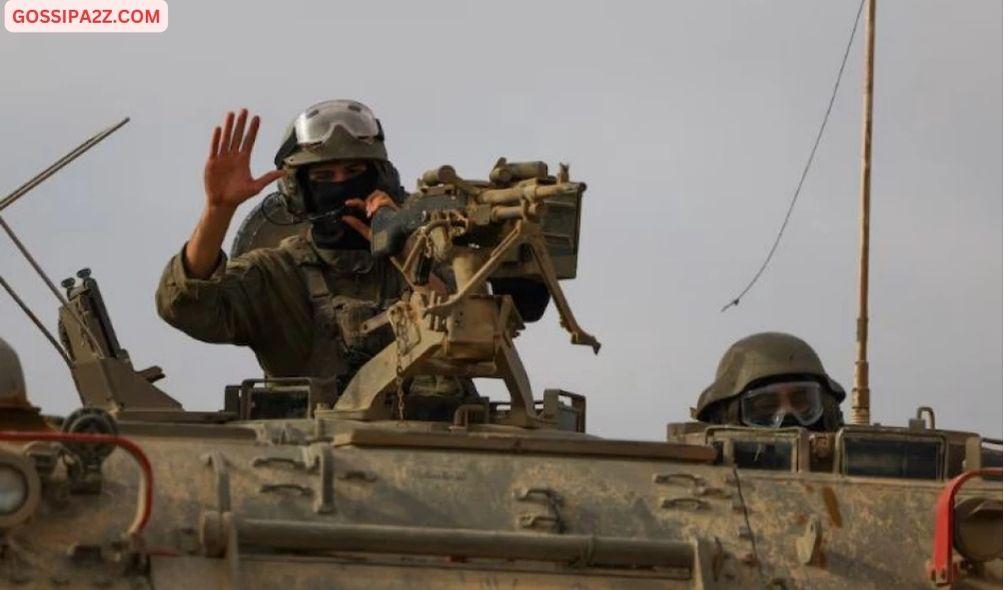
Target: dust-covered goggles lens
768, 406
315, 125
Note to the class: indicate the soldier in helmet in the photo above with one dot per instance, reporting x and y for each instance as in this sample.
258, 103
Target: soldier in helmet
300, 306
772, 380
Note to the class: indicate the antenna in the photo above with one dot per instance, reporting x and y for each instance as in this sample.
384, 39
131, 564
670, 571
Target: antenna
21, 191
59, 164
38, 323
861, 394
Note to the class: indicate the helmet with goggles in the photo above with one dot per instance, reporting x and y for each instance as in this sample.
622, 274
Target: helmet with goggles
779, 377
326, 131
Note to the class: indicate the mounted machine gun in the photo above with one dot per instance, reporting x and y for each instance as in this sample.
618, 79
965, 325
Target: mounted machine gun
521, 224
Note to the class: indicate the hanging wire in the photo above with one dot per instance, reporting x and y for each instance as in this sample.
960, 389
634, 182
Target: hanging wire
38, 323
746, 519
274, 202
808, 164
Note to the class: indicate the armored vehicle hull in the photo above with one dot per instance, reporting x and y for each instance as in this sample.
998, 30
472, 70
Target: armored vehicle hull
331, 503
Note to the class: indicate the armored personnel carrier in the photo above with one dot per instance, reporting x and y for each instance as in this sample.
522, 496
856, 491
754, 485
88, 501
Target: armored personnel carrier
291, 485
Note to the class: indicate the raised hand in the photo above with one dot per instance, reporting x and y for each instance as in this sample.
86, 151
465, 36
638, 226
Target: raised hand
227, 175
229, 183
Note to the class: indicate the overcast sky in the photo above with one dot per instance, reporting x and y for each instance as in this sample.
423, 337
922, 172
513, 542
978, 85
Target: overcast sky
690, 121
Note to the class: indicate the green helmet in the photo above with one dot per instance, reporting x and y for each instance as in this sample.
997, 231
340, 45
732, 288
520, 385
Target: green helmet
12, 389
330, 130
760, 356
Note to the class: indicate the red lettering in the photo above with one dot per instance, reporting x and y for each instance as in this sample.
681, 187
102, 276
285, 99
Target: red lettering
81, 15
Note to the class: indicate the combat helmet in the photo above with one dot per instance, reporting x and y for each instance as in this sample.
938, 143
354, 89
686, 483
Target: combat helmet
17, 412
12, 390
332, 130
758, 357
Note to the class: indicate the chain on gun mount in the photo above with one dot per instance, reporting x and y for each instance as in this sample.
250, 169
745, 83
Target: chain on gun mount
522, 223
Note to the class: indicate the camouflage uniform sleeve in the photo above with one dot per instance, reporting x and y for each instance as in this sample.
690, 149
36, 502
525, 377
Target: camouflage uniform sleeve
224, 308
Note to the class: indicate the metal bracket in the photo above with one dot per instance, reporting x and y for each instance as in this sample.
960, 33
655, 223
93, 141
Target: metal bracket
266, 488
547, 494
218, 462
318, 458
808, 544
532, 521
677, 478
685, 502
551, 499
263, 461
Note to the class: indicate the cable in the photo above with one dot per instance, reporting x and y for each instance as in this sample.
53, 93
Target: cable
808, 164
38, 323
264, 205
746, 519
297, 218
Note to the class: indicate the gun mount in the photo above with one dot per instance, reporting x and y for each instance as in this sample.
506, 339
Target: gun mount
506, 227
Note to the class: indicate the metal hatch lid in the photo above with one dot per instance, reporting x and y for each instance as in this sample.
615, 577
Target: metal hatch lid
524, 445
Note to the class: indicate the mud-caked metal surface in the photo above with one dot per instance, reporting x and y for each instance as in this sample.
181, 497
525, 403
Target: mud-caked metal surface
419, 508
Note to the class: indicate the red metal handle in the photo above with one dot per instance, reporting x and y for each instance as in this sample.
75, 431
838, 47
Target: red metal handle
941, 569
145, 500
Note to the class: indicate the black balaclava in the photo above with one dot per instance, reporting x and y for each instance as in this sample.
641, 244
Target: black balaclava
326, 201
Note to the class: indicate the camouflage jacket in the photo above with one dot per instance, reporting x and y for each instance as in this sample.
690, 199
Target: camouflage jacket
298, 307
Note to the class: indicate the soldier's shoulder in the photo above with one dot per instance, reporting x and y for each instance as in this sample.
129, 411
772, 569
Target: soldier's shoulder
290, 252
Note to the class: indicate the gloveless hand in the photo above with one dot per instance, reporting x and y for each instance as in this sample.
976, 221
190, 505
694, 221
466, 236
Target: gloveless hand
227, 175
371, 205
376, 200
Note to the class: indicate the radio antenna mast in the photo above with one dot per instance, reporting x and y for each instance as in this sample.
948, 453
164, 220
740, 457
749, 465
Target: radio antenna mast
861, 394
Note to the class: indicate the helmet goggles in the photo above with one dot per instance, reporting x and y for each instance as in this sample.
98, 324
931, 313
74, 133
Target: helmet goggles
315, 125
769, 405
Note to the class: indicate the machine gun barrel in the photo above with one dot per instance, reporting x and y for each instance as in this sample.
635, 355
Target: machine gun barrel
533, 192
506, 172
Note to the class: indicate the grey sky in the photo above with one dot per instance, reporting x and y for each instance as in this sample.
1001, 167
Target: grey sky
690, 122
